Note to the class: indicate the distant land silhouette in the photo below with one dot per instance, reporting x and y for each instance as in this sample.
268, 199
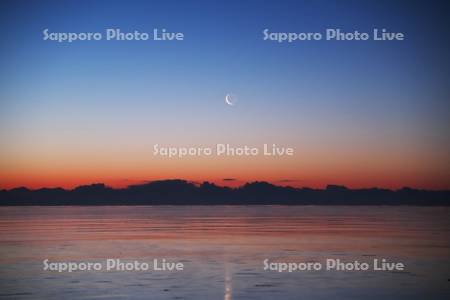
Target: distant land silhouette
182, 192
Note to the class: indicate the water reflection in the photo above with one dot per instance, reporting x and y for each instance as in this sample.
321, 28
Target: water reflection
223, 249
228, 282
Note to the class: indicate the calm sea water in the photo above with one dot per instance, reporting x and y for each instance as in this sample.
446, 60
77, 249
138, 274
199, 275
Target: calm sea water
223, 249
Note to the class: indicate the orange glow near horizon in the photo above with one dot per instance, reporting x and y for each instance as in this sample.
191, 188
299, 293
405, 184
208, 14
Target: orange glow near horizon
308, 167
318, 178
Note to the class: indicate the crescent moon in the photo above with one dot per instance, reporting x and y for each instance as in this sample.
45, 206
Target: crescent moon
228, 100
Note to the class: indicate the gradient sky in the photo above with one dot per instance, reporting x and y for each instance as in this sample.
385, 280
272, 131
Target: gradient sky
361, 114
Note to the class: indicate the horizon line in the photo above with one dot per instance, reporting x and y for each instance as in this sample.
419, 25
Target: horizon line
243, 184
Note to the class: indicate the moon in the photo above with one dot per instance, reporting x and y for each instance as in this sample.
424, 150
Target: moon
230, 99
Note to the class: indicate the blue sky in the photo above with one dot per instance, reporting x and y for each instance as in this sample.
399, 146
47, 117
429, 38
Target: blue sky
324, 95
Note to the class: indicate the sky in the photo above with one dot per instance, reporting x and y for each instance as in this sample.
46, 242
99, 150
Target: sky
357, 113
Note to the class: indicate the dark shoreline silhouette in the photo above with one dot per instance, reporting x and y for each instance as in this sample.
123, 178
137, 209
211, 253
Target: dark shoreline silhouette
182, 192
